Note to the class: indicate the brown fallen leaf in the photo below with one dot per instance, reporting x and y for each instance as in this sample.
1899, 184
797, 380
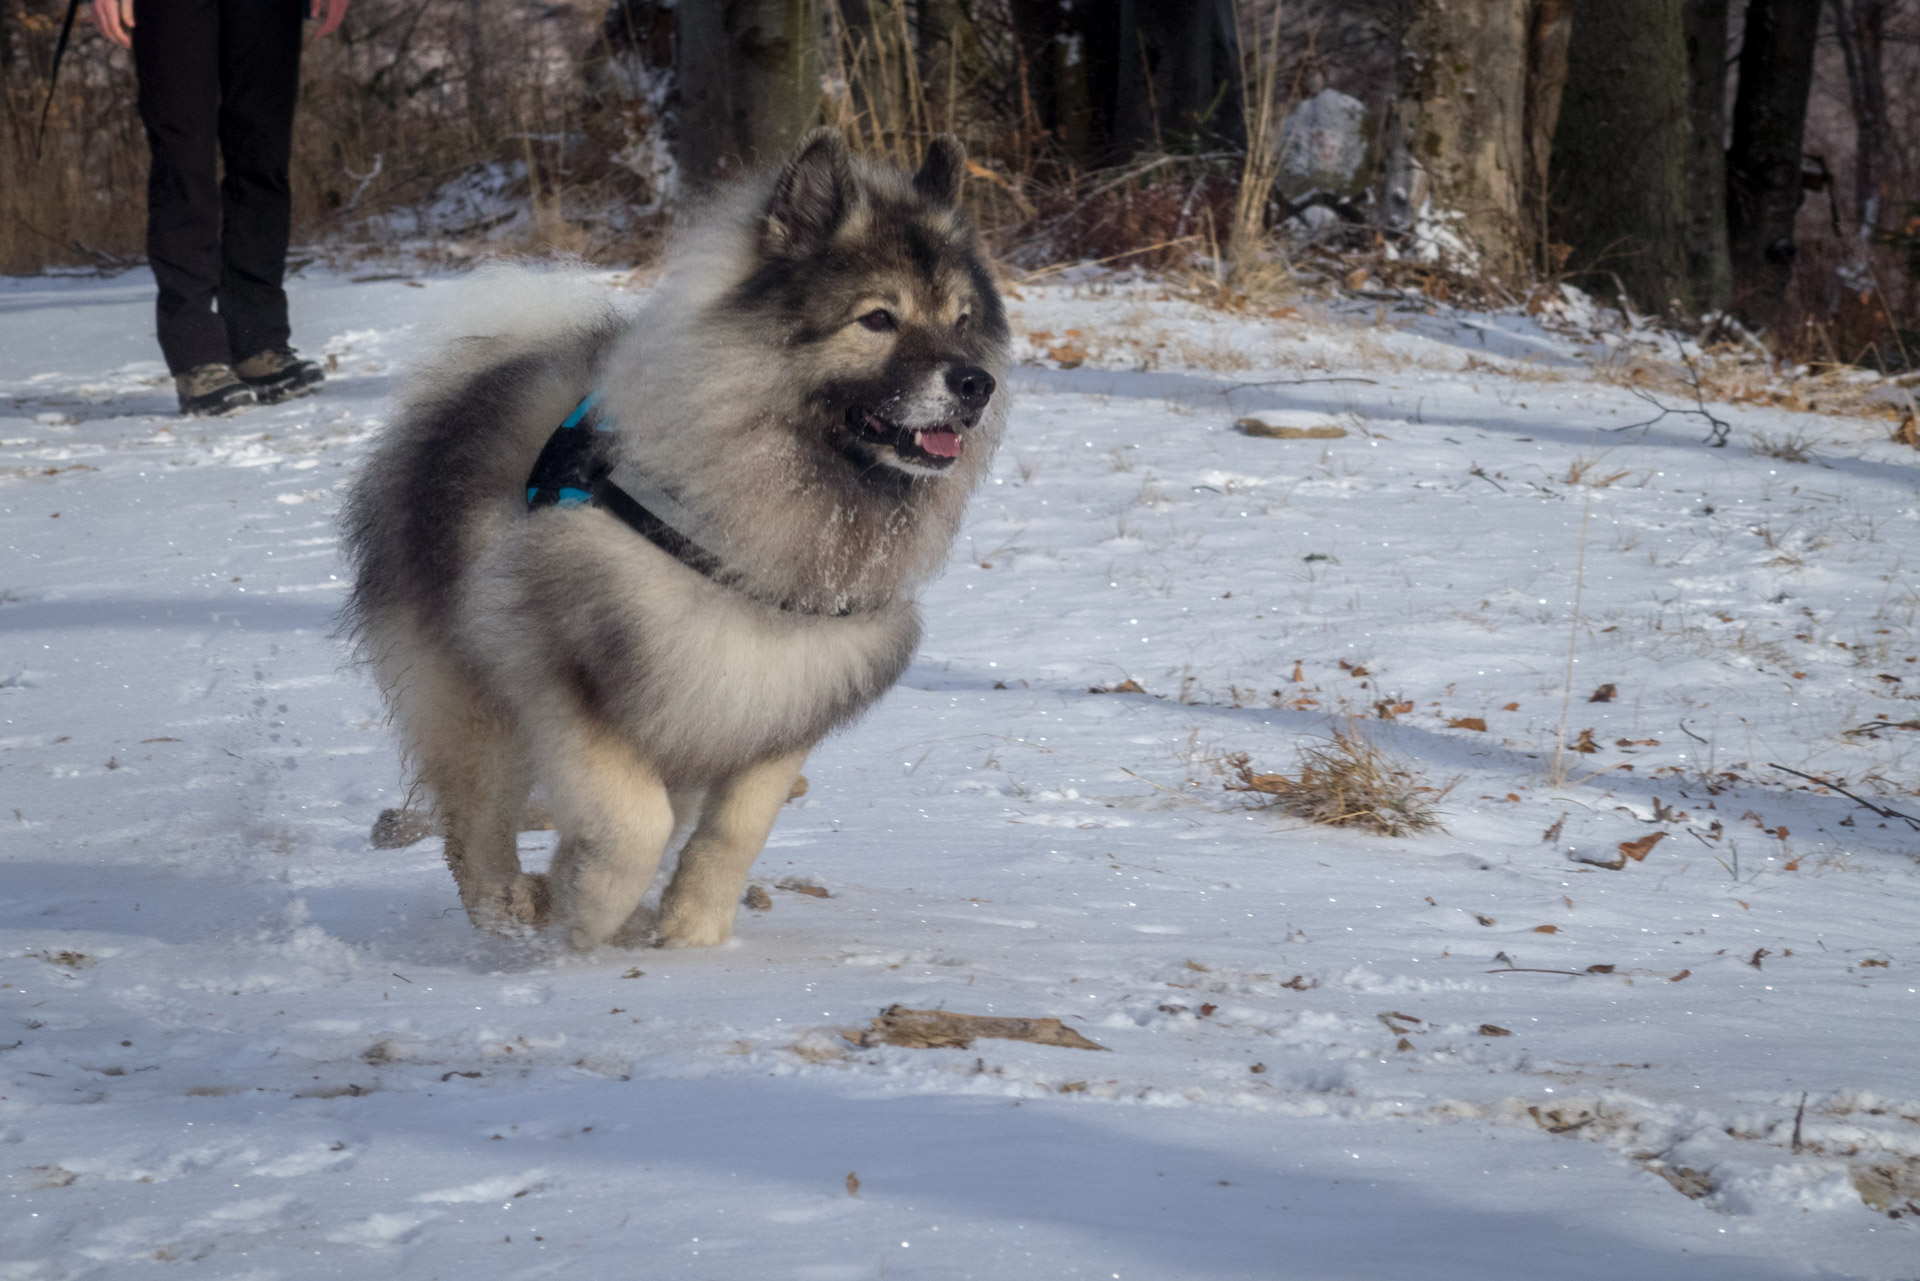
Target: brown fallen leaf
1599, 969
1494, 1029
1604, 694
1552, 834
1068, 355
1871, 961
1468, 722
853, 1184
1484, 920
1127, 686
796, 885
1270, 431
1511, 707
1908, 432
1638, 850
1403, 1044
757, 899
1584, 743
1546, 929
943, 1029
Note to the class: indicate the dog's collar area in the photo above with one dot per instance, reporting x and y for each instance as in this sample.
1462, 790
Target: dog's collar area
573, 471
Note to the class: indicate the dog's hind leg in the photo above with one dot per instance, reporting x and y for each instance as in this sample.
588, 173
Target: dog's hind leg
479, 779
615, 820
698, 906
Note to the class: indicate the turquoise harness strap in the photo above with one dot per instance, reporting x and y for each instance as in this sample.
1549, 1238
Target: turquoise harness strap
573, 471
564, 474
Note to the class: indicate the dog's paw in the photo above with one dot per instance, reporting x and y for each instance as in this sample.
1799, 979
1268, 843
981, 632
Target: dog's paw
518, 909
529, 900
678, 930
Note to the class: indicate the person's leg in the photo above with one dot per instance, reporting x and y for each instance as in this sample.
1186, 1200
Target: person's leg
259, 82
176, 56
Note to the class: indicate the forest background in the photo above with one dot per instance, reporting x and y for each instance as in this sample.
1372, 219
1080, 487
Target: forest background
1742, 168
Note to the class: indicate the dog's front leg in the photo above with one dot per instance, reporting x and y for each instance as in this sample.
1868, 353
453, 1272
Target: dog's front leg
614, 819
697, 909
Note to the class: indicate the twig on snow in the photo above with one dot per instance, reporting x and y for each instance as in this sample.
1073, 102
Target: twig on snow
1293, 382
1721, 427
1881, 810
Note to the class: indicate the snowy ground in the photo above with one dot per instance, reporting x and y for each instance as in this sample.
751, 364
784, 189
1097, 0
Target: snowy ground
236, 1034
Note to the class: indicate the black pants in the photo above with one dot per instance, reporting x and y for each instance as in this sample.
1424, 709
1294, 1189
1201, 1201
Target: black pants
222, 72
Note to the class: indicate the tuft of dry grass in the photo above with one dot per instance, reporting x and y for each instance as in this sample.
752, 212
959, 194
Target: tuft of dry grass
1346, 781
1788, 447
1587, 471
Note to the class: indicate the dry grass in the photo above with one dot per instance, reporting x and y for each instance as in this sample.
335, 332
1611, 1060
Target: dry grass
1787, 446
1346, 781
1588, 471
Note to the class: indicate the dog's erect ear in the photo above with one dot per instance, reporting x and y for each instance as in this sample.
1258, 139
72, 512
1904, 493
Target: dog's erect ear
943, 171
812, 195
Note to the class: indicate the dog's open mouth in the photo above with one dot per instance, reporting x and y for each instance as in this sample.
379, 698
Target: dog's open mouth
936, 447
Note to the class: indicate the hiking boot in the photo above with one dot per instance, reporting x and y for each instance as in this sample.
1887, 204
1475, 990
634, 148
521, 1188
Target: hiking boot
212, 389
276, 373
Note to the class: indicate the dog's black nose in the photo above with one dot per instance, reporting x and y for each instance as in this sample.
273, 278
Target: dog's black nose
972, 384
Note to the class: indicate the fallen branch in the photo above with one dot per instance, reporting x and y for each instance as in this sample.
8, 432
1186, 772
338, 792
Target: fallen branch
1881, 810
1294, 382
1721, 427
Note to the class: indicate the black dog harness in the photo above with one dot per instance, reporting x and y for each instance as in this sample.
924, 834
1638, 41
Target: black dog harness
573, 471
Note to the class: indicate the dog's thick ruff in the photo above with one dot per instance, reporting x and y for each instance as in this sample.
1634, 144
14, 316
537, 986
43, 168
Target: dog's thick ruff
813, 384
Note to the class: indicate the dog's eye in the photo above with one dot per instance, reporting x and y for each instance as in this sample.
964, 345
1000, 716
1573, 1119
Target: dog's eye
961, 323
880, 320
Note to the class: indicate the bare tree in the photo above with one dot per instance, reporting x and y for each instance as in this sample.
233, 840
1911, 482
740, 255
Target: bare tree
748, 73
1176, 73
1619, 187
1763, 160
1459, 116
1862, 28
1708, 263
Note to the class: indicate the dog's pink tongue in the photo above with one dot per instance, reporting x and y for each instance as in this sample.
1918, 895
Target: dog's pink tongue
941, 444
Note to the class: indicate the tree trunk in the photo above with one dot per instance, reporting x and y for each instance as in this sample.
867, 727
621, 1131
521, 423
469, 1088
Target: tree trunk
1618, 173
1763, 163
1460, 116
1053, 52
951, 60
1708, 264
748, 73
1177, 75
1862, 27
1549, 32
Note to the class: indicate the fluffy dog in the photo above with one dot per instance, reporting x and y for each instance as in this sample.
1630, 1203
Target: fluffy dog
802, 407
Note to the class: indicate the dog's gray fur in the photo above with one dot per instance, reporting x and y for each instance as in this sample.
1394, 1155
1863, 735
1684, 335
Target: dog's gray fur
762, 389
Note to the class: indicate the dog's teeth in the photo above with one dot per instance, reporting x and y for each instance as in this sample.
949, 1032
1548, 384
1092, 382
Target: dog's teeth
916, 441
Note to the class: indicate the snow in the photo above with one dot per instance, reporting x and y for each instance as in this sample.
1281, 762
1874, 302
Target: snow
234, 1033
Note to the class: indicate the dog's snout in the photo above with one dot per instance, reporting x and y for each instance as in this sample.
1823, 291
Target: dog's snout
972, 384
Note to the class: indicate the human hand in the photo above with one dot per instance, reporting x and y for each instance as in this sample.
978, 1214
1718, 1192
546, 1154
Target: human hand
329, 12
115, 20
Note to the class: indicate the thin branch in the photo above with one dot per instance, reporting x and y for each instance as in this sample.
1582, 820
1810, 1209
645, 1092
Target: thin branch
1721, 427
1293, 382
1881, 810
